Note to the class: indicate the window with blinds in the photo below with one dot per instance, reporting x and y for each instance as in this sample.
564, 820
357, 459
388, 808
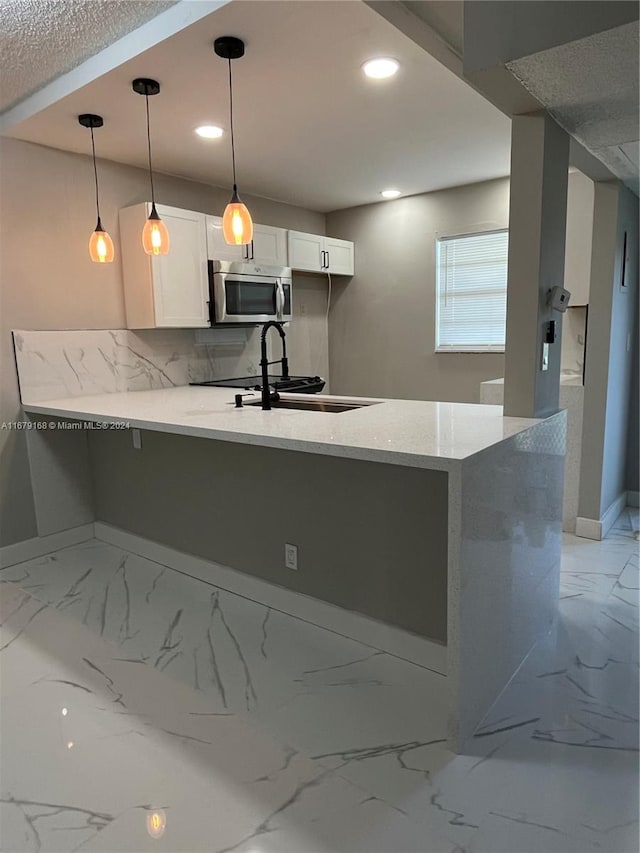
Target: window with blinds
471, 292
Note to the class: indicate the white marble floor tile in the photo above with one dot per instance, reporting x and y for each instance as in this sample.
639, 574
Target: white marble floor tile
323, 816
566, 726
258, 733
586, 556
378, 705
316, 690
242, 655
92, 747
627, 523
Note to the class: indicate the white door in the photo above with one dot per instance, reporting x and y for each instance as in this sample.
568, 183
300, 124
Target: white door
217, 248
180, 279
340, 256
304, 251
269, 246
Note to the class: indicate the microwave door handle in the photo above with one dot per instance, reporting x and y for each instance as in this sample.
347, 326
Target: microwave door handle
279, 300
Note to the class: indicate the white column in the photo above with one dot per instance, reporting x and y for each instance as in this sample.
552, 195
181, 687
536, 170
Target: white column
537, 225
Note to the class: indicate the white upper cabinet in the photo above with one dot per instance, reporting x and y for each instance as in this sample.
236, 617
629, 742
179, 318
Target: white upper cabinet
217, 248
268, 247
305, 251
339, 256
165, 290
173, 290
314, 253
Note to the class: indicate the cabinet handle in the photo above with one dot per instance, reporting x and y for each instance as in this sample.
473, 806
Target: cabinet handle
252, 251
323, 263
327, 266
279, 300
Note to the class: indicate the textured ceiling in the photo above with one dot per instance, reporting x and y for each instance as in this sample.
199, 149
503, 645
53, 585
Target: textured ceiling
311, 129
41, 39
591, 87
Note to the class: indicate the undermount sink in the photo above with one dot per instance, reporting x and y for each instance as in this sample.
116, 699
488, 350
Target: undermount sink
313, 405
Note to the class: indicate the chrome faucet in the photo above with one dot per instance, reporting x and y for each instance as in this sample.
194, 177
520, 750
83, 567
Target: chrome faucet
264, 363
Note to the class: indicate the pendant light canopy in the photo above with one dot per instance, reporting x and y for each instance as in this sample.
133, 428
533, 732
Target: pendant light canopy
100, 243
237, 225
155, 236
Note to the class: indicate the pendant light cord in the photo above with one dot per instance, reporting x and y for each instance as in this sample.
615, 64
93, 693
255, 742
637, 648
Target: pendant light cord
153, 200
95, 173
233, 144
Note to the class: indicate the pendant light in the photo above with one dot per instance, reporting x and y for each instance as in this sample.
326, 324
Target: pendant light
155, 236
100, 243
237, 226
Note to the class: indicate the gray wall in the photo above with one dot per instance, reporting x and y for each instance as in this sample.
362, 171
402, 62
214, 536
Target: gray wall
624, 309
633, 446
48, 282
382, 322
610, 422
360, 528
537, 229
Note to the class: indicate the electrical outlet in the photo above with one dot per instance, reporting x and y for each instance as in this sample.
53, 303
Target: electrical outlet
291, 556
137, 439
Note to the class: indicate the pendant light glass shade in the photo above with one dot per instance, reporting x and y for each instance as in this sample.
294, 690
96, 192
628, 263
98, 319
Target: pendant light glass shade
237, 225
155, 235
101, 246
100, 243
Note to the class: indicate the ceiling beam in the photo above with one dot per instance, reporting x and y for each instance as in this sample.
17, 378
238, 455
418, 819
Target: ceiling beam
419, 31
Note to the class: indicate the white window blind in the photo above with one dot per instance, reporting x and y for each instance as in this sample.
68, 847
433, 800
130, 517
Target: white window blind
471, 297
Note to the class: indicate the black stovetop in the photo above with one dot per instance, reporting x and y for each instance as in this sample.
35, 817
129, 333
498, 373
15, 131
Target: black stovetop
302, 384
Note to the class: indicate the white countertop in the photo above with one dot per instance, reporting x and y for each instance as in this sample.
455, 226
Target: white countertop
412, 433
565, 379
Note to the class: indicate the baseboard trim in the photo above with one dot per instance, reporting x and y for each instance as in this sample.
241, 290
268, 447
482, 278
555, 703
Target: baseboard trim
356, 626
592, 528
633, 498
28, 549
589, 528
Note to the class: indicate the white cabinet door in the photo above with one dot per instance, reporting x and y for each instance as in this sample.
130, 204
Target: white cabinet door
313, 253
269, 246
305, 251
217, 248
339, 259
180, 279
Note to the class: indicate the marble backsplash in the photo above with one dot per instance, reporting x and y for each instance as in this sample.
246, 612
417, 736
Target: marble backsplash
78, 363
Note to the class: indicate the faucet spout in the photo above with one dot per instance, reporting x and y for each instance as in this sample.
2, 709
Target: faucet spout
264, 362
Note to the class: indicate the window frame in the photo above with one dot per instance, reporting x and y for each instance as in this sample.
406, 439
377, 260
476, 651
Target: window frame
461, 348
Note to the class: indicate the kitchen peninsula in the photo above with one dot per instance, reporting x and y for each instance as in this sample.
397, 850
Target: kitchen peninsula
440, 523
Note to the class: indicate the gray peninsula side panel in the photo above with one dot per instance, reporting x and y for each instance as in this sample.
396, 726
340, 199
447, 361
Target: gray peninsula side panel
371, 538
505, 548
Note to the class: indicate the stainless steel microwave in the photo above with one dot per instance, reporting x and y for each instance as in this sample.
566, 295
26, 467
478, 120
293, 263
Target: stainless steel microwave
249, 293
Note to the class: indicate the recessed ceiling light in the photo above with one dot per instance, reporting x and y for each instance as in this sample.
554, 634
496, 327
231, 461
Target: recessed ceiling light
209, 131
381, 67
390, 193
